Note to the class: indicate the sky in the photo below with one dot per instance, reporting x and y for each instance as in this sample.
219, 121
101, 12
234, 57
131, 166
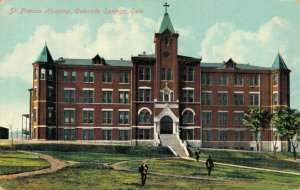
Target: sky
248, 31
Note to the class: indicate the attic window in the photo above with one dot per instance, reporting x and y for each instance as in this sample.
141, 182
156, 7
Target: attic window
230, 64
97, 60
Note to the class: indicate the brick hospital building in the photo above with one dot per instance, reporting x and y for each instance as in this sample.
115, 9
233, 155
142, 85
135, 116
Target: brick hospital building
138, 101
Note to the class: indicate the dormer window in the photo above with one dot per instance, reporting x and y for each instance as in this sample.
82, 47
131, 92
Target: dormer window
230, 64
97, 60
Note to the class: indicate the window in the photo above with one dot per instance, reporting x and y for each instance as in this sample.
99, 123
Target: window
238, 98
65, 76
42, 76
169, 76
162, 74
88, 77
124, 135
166, 95
106, 134
223, 80
107, 117
123, 97
35, 74
240, 136
144, 73
238, 118
207, 135
69, 134
88, 117
123, 117
66, 134
254, 99
238, 80
275, 99
107, 97
222, 99
187, 134
206, 98
188, 117
51, 94
222, 135
148, 74
69, 95
187, 95
34, 117
223, 118
34, 94
88, 96
191, 74
87, 134
275, 80
141, 73
50, 72
206, 118
107, 77
123, 77
254, 80
73, 78
144, 95
50, 115
144, 134
206, 79
144, 118
69, 116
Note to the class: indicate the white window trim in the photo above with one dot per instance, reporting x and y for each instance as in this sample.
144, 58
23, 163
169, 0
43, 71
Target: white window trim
124, 90
206, 91
254, 92
107, 109
144, 108
223, 92
107, 89
222, 111
238, 92
188, 88
69, 108
238, 112
88, 109
188, 109
144, 87
124, 110
87, 88
69, 88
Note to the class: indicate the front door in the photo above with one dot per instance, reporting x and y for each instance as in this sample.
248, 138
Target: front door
166, 125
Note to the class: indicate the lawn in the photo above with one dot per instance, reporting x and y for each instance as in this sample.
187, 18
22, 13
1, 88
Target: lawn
16, 162
284, 161
95, 176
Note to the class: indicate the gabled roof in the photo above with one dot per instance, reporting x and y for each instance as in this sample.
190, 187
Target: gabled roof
278, 63
166, 24
238, 66
45, 56
117, 63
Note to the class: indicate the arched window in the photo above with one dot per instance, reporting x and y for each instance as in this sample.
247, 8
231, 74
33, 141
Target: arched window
42, 76
148, 118
141, 117
166, 95
91, 77
188, 117
50, 75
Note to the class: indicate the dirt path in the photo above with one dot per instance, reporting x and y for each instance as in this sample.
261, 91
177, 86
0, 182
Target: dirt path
55, 165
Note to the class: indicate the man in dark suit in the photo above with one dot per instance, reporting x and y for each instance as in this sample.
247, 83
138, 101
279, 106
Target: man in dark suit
209, 165
143, 170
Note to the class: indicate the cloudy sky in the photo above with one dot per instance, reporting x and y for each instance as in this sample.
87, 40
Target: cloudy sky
249, 31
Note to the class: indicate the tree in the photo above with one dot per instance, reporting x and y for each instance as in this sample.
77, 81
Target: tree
287, 124
258, 120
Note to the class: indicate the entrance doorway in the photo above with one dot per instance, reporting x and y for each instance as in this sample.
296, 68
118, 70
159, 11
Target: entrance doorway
166, 125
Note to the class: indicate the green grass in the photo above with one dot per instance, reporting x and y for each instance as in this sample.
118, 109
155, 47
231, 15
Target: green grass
192, 168
16, 162
94, 176
284, 161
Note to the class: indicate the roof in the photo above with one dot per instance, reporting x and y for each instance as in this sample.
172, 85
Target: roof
166, 24
45, 56
118, 63
238, 66
279, 63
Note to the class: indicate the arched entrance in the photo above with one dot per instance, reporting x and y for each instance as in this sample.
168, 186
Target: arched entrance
166, 125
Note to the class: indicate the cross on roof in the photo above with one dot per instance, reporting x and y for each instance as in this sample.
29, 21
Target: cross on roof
166, 6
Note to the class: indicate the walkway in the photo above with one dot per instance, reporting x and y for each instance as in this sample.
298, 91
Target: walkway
55, 165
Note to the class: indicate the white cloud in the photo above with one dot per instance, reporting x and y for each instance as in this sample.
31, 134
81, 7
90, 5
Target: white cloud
224, 40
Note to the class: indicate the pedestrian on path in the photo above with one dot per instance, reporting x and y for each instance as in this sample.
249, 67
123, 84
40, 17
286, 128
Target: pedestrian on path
209, 165
143, 170
197, 154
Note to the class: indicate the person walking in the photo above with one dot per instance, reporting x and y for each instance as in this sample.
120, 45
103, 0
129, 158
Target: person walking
197, 154
209, 165
143, 170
